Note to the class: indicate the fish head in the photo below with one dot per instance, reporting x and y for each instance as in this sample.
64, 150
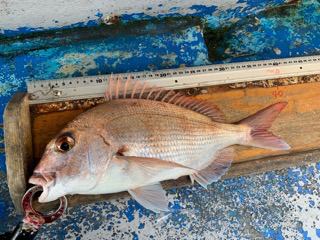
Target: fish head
72, 163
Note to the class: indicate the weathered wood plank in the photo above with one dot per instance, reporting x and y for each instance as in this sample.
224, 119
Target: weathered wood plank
18, 146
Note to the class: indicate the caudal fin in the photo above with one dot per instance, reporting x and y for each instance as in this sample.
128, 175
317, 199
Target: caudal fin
259, 123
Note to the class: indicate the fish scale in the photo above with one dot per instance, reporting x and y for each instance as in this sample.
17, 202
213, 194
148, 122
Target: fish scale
166, 131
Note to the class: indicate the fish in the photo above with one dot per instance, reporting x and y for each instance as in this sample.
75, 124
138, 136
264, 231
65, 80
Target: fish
141, 136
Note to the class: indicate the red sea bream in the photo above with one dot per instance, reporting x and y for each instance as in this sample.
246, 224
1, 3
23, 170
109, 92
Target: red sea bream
140, 137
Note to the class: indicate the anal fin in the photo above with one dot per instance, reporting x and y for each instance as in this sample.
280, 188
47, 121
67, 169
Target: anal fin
216, 169
151, 197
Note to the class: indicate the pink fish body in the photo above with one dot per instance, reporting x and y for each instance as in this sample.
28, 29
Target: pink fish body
139, 138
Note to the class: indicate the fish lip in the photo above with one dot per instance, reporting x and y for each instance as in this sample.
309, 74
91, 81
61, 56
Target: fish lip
38, 180
45, 180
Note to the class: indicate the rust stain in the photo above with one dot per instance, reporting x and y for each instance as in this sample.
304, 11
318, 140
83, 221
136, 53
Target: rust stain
64, 106
112, 19
278, 82
293, 2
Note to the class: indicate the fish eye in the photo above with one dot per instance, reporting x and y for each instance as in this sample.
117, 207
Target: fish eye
64, 143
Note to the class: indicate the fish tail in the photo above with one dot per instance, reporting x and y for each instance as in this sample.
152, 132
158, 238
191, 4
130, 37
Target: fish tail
259, 124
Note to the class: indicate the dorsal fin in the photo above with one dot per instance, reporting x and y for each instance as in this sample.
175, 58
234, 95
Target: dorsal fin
127, 88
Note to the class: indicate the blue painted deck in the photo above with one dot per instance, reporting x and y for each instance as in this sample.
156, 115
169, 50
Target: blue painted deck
276, 205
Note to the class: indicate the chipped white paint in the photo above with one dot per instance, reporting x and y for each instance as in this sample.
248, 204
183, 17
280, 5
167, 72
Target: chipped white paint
301, 212
68, 66
47, 14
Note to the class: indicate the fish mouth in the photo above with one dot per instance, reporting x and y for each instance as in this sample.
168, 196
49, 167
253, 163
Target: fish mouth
45, 180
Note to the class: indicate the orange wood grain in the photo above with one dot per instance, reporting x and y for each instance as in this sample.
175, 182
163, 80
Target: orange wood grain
46, 126
298, 124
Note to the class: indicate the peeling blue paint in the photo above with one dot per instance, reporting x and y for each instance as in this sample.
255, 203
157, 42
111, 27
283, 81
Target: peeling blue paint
122, 54
2, 162
271, 233
304, 234
225, 17
99, 15
203, 10
268, 36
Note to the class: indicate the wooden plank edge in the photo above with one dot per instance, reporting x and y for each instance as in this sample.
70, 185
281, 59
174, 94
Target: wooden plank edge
18, 146
195, 91
236, 170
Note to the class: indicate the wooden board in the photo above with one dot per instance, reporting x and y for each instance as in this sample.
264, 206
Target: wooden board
302, 112
18, 146
298, 125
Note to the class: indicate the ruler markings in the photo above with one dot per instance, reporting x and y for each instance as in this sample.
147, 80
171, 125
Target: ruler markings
94, 86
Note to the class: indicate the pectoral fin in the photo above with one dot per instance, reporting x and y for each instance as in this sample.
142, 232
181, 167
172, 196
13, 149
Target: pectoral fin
216, 169
151, 197
148, 166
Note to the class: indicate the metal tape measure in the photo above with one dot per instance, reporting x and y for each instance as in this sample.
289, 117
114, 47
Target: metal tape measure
65, 89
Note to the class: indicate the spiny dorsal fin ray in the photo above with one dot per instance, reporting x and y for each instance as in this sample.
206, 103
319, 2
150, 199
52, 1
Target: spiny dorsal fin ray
118, 88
